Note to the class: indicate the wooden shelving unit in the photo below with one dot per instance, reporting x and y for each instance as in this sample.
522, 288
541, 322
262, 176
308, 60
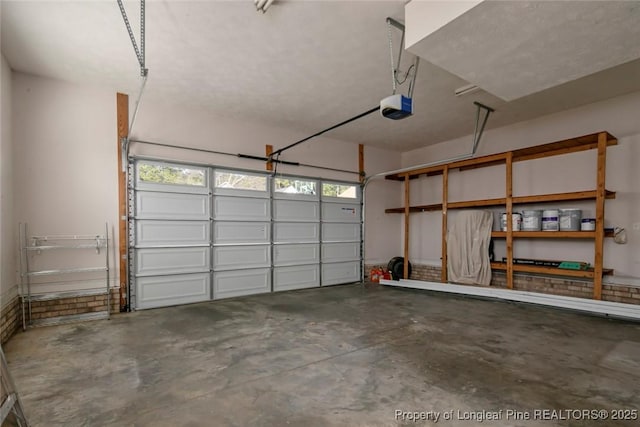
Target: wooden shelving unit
598, 141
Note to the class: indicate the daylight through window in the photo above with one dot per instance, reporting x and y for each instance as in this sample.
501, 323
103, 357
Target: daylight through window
166, 174
240, 181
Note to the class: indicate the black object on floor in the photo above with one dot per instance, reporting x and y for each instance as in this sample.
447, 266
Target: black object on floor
396, 267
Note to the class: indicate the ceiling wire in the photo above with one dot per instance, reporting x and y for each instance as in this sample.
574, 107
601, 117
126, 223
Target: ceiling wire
359, 116
275, 165
411, 72
135, 111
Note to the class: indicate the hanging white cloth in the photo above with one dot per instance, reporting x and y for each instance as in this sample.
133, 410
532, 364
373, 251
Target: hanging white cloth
468, 248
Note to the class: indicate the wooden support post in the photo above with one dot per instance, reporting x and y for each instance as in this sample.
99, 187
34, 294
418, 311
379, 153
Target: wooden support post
406, 226
122, 114
445, 200
509, 236
361, 162
600, 196
268, 151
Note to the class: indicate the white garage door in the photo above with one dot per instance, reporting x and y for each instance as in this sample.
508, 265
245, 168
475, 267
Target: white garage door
171, 254
206, 233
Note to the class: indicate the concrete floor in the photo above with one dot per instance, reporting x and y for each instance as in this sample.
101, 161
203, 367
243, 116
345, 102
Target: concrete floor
345, 355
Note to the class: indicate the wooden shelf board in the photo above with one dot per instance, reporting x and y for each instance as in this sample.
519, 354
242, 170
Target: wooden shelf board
481, 165
429, 171
561, 197
420, 208
399, 177
550, 234
417, 173
571, 145
484, 161
549, 270
520, 200
476, 203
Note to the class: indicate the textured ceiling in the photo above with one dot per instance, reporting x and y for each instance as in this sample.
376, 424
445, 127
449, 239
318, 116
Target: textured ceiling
305, 65
514, 49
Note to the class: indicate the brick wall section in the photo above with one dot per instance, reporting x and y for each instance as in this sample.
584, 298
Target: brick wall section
546, 285
10, 320
74, 305
11, 316
418, 272
426, 272
541, 284
616, 293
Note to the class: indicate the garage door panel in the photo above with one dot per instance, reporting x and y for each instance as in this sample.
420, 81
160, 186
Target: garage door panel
296, 277
152, 205
235, 257
157, 233
241, 232
161, 291
296, 232
342, 272
340, 212
291, 254
335, 232
241, 209
172, 188
235, 283
172, 261
293, 210
336, 252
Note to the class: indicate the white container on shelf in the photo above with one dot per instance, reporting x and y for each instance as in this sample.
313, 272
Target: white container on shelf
516, 219
531, 220
570, 219
588, 224
550, 220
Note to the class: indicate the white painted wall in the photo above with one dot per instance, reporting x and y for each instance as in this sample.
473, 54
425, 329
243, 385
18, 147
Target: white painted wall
572, 172
65, 158
65, 165
382, 230
8, 289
